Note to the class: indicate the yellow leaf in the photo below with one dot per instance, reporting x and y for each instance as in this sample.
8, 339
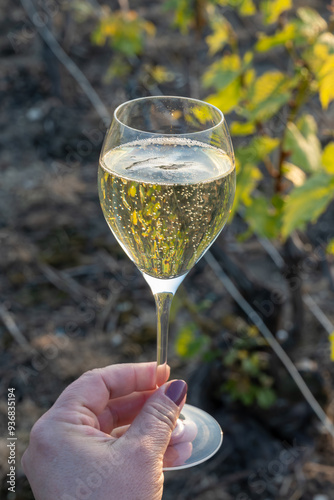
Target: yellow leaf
293, 173
327, 158
330, 247
238, 128
228, 97
331, 339
266, 85
326, 82
219, 36
223, 71
149, 28
272, 9
161, 74
247, 8
266, 42
266, 95
249, 77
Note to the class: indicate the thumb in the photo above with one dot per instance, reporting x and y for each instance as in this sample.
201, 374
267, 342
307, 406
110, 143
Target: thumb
157, 419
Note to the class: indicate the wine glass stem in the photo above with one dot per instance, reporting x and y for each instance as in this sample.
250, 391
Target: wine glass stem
163, 302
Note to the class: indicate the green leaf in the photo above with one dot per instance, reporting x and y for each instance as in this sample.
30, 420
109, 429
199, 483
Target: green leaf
327, 39
302, 143
293, 173
248, 178
312, 22
326, 79
189, 342
222, 72
247, 8
330, 247
287, 34
272, 9
263, 218
320, 59
222, 31
238, 128
265, 397
231, 357
267, 95
227, 98
307, 202
250, 365
244, 7
183, 14
327, 158
257, 149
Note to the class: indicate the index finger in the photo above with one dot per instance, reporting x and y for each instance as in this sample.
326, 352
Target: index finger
94, 389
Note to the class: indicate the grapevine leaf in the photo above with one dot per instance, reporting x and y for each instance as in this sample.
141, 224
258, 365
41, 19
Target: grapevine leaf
272, 9
221, 32
293, 173
312, 22
183, 14
263, 218
302, 144
326, 79
330, 249
307, 202
268, 93
238, 128
265, 397
327, 39
188, 342
257, 149
125, 31
279, 38
331, 340
227, 98
248, 177
245, 7
222, 72
320, 58
327, 158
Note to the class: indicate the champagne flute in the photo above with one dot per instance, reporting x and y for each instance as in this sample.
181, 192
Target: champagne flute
166, 185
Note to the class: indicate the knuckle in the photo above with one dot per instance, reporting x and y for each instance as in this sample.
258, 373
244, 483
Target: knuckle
163, 413
41, 437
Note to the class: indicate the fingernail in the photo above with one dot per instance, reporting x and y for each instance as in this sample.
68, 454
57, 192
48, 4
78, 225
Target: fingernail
176, 391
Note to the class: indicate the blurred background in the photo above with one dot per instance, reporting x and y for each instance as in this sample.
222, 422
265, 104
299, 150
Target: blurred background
70, 298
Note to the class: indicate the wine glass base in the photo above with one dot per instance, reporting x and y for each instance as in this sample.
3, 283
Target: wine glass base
202, 444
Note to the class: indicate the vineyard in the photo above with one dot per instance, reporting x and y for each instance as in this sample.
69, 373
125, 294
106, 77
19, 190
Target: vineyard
252, 326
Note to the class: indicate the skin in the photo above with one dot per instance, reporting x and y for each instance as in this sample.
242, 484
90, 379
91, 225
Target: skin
107, 437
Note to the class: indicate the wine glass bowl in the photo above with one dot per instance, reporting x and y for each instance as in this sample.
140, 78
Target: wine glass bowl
166, 185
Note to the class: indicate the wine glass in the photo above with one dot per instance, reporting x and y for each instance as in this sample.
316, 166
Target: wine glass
166, 186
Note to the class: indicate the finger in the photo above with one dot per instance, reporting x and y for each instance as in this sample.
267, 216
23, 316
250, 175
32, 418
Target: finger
122, 411
154, 424
185, 431
93, 390
177, 454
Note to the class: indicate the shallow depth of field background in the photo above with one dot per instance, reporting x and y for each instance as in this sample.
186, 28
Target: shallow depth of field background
70, 300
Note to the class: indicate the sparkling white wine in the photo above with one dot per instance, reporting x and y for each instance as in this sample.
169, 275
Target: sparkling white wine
166, 200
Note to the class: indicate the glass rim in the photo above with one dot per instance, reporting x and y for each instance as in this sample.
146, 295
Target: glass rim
191, 99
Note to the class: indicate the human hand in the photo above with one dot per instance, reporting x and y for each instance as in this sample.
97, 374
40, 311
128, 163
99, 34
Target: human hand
108, 436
